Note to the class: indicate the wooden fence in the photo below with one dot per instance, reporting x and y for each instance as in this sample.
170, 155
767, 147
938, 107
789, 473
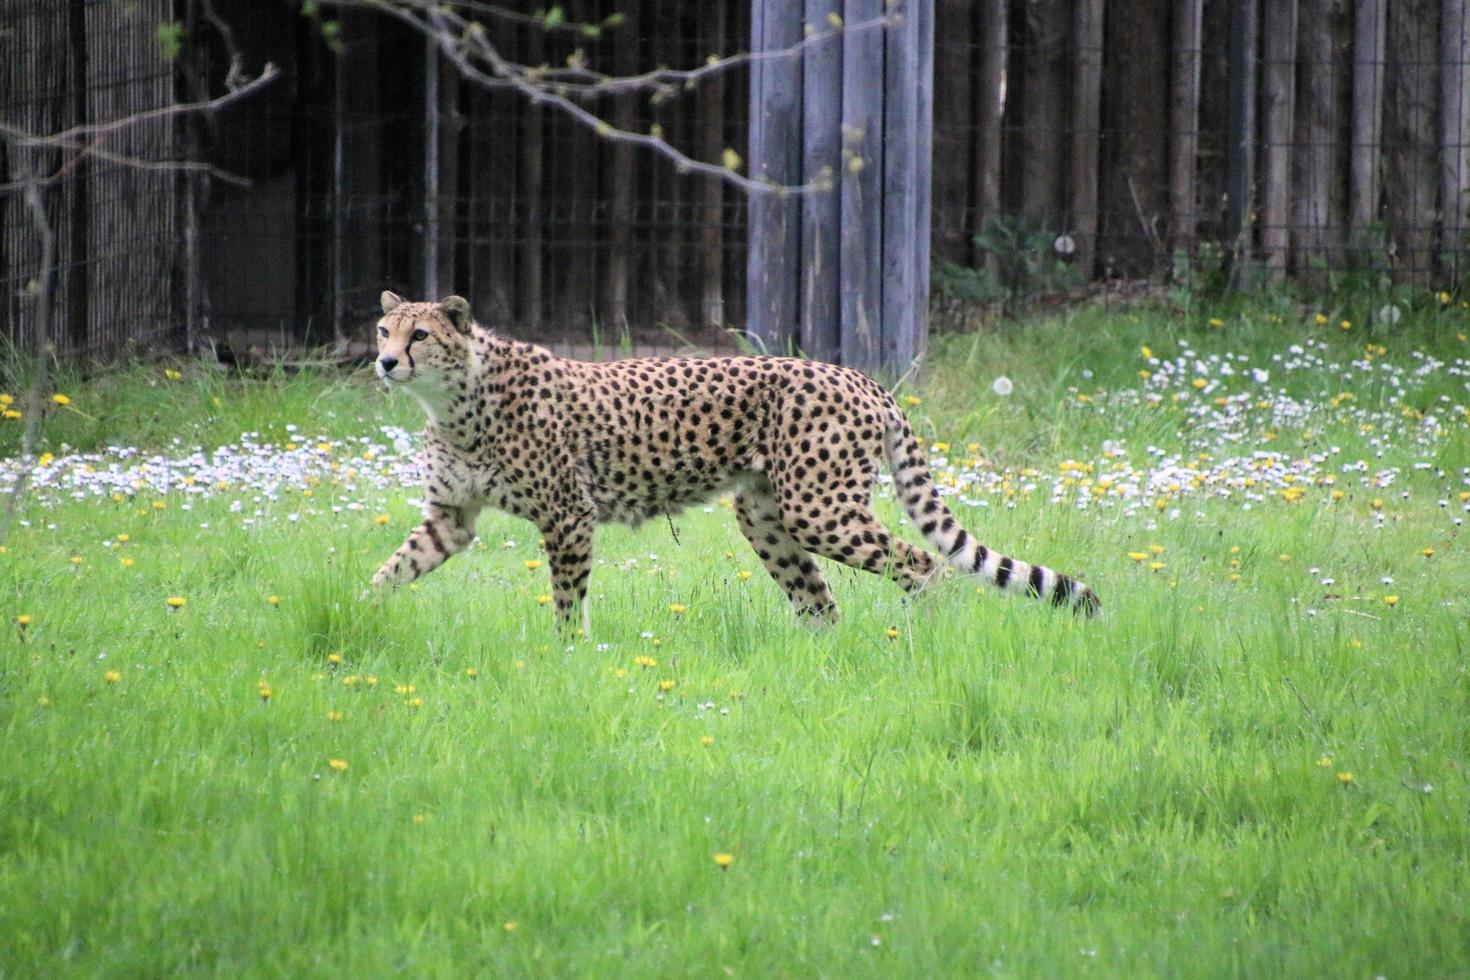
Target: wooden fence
1301, 136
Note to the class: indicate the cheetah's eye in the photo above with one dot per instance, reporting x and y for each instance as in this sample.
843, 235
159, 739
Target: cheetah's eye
419, 335
382, 331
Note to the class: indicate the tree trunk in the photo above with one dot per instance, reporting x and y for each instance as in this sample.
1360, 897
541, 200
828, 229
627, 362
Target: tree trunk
1184, 124
1045, 29
1086, 119
1278, 91
1410, 126
1318, 197
990, 99
1454, 133
1365, 185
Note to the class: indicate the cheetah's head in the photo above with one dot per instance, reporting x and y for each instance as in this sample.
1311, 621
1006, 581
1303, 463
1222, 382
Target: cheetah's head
423, 346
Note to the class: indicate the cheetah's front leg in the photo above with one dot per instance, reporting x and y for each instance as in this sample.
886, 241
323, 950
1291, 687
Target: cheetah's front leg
569, 549
445, 531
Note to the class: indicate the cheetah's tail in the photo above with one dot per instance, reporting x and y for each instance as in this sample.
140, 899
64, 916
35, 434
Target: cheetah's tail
920, 498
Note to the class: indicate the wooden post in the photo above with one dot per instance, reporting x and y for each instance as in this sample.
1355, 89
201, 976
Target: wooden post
862, 186
1184, 124
990, 97
821, 214
1370, 35
1241, 131
900, 128
1411, 197
775, 155
532, 178
712, 192
1454, 187
431, 168
1086, 120
1044, 24
1317, 200
1279, 84
924, 181
619, 181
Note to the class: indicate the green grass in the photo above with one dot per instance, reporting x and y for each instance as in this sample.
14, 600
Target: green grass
1000, 790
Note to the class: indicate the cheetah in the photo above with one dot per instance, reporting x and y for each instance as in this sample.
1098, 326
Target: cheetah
569, 445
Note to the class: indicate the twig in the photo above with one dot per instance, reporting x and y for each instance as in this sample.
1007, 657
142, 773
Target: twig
1302, 701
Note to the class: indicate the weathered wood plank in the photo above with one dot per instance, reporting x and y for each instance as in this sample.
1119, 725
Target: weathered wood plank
1184, 114
1278, 85
862, 188
900, 208
1365, 184
775, 155
821, 298
1086, 120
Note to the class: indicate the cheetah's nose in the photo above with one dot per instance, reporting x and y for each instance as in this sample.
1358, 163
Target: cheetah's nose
388, 363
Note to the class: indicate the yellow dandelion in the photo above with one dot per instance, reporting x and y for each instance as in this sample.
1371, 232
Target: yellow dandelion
43, 702
1427, 552
1284, 556
1443, 297
1199, 383
159, 505
1391, 600
172, 375
1320, 319
274, 600
60, 399
666, 685
542, 600
1157, 566
532, 564
743, 575
415, 702
472, 672
75, 560
1346, 325
1324, 761
11, 414
1216, 322
263, 691
112, 677
336, 715
678, 608
23, 620
420, 819
912, 401
724, 860
381, 519
1146, 351
126, 562
371, 680
511, 926
1345, 778
643, 660
891, 632
176, 602
1156, 549
706, 740
335, 659
338, 765
1138, 555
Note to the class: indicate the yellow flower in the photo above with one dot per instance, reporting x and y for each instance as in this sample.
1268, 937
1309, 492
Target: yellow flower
1199, 383
1216, 322
274, 600
1325, 761
743, 576
340, 765
159, 505
263, 689
1427, 552
532, 564
912, 400
1345, 778
1444, 298
1137, 555
542, 600
11, 414
891, 632
1391, 600
381, 519
75, 560
1346, 325
172, 375
60, 399
472, 672
420, 819
112, 677
415, 702
1157, 549
23, 620
1157, 566
122, 539
1284, 556
511, 926
1145, 351
126, 562
335, 715
706, 740
678, 608
1320, 319
666, 685
176, 602
644, 660
724, 860
334, 659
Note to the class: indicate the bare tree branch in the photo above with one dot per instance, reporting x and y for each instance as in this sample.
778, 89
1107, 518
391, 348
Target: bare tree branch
467, 44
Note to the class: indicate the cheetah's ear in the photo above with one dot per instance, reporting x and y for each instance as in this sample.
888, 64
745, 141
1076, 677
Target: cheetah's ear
457, 308
390, 301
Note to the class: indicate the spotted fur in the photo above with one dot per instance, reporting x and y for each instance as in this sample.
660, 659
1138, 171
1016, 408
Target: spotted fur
570, 444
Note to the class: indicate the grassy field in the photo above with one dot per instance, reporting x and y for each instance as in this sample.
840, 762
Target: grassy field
1255, 762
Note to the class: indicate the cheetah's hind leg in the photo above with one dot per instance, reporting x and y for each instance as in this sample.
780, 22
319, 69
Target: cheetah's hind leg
787, 562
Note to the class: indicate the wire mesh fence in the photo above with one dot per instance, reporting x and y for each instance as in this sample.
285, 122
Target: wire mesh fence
1322, 140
